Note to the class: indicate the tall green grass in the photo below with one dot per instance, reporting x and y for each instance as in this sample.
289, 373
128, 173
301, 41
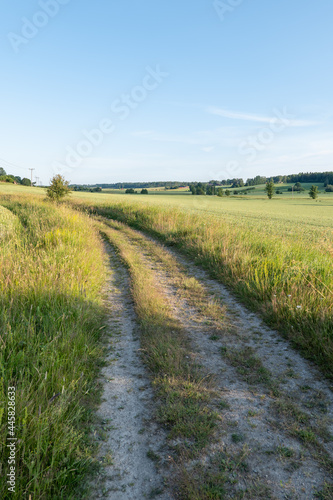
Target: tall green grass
280, 268
52, 271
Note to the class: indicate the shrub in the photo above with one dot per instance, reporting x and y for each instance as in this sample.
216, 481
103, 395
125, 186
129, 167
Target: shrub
6, 178
58, 188
26, 182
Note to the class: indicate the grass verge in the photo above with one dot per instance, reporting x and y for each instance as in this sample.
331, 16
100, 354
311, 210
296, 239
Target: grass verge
52, 271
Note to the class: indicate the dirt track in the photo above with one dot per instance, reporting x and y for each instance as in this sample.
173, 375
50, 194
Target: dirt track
130, 432
275, 409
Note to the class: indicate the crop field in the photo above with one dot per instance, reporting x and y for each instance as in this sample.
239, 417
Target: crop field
103, 285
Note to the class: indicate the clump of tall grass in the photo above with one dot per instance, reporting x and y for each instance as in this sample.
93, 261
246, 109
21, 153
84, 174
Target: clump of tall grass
288, 280
52, 271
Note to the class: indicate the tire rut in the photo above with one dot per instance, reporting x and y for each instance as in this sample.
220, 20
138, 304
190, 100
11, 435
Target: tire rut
129, 432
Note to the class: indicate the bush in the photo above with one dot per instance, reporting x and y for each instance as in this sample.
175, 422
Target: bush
297, 188
6, 178
58, 188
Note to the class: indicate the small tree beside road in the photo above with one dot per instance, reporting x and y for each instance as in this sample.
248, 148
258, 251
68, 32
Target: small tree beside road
58, 188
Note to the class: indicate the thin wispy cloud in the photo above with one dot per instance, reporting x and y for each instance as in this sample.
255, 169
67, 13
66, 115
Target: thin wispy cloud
236, 115
225, 136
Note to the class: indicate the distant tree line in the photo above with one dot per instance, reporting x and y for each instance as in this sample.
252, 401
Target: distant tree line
202, 188
13, 179
144, 185
90, 189
319, 177
212, 187
132, 191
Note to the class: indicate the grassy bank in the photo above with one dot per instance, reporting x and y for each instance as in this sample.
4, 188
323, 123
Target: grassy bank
52, 271
278, 263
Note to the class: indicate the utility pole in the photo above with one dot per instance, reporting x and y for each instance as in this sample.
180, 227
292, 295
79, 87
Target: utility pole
31, 169
37, 180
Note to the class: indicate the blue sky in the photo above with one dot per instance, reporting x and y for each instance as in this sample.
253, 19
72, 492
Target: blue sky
110, 91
